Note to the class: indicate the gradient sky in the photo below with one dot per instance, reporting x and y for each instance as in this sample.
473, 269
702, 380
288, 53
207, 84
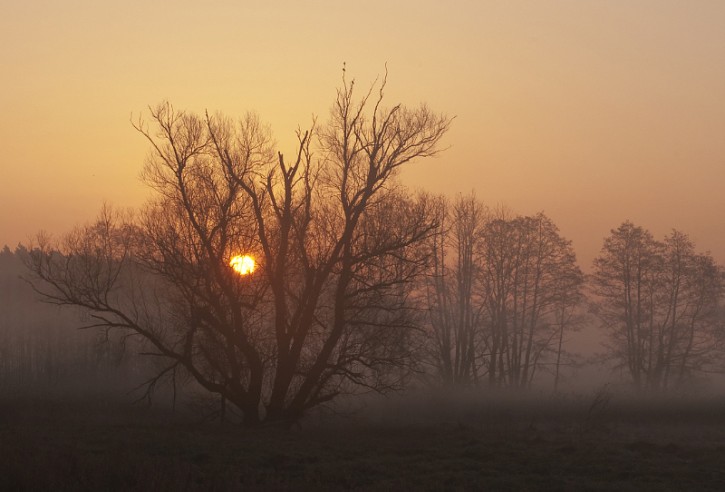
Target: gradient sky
592, 111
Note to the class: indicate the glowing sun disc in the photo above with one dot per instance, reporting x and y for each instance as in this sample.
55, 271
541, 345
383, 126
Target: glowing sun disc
242, 264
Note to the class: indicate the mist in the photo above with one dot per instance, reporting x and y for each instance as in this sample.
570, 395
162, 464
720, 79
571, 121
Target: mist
63, 386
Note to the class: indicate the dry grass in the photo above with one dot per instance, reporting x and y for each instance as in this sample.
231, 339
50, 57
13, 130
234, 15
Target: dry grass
429, 442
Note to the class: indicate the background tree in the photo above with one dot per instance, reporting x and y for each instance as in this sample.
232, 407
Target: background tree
39, 349
338, 246
531, 286
503, 293
453, 293
659, 303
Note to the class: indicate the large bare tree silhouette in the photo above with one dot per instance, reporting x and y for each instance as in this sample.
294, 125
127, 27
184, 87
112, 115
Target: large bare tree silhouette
337, 242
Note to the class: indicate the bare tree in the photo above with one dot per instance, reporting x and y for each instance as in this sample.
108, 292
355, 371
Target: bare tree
337, 243
531, 285
503, 294
624, 278
659, 301
453, 290
567, 316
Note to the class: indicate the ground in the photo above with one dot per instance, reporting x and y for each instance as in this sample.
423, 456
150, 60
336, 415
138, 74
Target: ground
511, 444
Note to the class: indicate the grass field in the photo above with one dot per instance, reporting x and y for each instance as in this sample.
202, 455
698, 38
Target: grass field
424, 443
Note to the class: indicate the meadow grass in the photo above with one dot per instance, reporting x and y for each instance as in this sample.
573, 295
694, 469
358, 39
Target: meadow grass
428, 441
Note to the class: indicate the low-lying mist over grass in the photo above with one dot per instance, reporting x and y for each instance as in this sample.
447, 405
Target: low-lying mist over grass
77, 412
420, 440
476, 406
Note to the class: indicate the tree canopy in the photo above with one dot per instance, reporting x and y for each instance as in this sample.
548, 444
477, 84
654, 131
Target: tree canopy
337, 243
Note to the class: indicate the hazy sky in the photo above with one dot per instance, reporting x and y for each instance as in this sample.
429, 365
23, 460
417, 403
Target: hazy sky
592, 111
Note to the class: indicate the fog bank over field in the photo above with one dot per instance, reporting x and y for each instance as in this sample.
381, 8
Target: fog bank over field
46, 355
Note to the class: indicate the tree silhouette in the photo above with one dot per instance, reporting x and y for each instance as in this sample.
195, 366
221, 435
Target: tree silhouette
503, 293
532, 285
338, 246
453, 293
659, 303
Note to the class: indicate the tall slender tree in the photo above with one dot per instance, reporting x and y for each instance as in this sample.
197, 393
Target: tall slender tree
453, 290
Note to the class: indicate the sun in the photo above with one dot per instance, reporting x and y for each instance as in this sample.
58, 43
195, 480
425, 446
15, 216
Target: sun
243, 264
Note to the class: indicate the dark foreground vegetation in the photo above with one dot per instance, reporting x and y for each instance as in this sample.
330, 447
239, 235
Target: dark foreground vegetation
592, 442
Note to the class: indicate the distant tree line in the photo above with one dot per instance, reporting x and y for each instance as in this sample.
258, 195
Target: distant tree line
40, 344
361, 285
502, 294
505, 291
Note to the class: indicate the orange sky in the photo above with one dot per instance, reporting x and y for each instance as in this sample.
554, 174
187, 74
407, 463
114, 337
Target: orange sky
592, 111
